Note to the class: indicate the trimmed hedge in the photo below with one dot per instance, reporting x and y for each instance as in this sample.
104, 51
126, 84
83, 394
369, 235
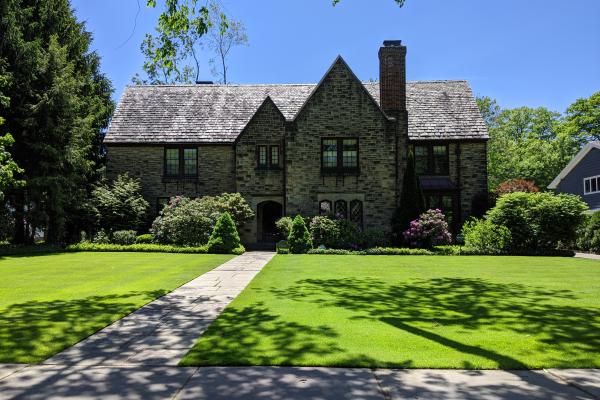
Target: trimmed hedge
376, 251
436, 251
144, 248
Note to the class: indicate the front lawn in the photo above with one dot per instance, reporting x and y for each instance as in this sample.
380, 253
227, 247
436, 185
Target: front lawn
49, 302
412, 311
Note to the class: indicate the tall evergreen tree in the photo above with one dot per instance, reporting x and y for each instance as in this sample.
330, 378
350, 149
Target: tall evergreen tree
60, 102
412, 201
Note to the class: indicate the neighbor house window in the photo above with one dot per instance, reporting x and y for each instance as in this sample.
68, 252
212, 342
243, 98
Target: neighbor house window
181, 161
339, 155
267, 157
431, 159
591, 185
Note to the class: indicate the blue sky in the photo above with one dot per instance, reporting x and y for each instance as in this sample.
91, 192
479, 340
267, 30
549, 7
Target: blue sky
521, 52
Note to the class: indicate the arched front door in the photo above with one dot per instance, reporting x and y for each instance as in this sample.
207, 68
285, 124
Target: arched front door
268, 212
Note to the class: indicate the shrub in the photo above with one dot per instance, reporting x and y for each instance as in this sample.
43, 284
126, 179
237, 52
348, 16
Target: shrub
124, 237
299, 238
337, 252
538, 220
224, 238
283, 247
101, 237
120, 205
515, 185
370, 238
325, 231
233, 203
588, 236
144, 248
188, 222
284, 225
484, 236
7, 222
144, 239
431, 229
349, 235
397, 251
412, 202
183, 222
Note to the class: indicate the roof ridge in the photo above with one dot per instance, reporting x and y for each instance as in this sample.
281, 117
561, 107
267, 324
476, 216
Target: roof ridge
220, 85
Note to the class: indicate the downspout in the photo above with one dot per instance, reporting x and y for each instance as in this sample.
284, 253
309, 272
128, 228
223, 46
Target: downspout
458, 182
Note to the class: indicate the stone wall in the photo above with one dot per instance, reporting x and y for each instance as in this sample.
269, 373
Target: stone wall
267, 127
472, 166
215, 171
341, 108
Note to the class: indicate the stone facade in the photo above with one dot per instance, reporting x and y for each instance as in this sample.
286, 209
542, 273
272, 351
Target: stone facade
234, 122
341, 107
146, 163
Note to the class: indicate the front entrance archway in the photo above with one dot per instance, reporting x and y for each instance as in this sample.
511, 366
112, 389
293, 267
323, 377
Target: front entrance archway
268, 212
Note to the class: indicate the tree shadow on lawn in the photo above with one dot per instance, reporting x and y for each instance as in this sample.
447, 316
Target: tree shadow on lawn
420, 306
253, 335
35, 330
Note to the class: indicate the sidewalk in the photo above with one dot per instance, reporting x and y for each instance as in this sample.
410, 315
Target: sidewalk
221, 383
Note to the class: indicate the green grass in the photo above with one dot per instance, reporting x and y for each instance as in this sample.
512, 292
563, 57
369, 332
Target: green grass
49, 302
413, 312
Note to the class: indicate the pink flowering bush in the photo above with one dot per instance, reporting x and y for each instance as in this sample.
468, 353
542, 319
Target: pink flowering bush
431, 229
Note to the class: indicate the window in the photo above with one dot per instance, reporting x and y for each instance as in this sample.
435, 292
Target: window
262, 157
172, 162
341, 209
339, 155
274, 156
356, 212
444, 202
190, 162
591, 185
325, 207
267, 157
431, 159
421, 159
181, 162
330, 154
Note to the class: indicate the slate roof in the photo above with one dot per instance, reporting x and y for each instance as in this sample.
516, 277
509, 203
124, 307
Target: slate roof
218, 113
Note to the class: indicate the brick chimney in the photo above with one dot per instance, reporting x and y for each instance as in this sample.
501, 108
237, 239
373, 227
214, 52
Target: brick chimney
392, 76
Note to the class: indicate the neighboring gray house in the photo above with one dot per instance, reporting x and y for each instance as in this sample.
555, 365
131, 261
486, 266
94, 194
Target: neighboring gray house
339, 146
582, 176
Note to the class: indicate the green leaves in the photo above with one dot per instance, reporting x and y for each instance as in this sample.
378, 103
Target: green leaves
529, 143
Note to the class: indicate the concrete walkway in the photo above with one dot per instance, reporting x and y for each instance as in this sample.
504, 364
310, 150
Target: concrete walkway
589, 256
273, 383
162, 332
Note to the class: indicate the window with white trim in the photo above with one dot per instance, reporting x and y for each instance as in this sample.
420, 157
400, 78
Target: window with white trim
591, 185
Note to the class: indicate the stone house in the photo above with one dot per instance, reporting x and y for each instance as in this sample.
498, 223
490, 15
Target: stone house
339, 146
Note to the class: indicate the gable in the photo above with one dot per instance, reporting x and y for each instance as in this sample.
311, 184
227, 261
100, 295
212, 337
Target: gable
587, 161
340, 90
268, 120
